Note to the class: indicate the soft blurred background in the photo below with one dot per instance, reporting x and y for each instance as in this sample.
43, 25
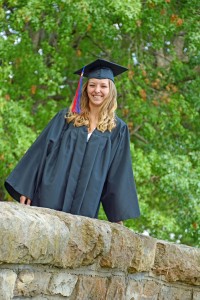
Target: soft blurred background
43, 42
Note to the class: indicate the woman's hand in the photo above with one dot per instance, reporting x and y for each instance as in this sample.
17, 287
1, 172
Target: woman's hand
25, 200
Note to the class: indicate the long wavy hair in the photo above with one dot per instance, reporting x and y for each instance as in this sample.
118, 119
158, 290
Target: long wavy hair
107, 110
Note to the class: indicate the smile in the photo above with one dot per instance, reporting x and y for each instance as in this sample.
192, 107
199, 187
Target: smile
97, 96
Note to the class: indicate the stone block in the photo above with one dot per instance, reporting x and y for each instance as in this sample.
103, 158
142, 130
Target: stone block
177, 263
90, 287
88, 241
175, 292
134, 290
196, 295
151, 289
29, 236
129, 251
116, 288
62, 284
31, 283
7, 284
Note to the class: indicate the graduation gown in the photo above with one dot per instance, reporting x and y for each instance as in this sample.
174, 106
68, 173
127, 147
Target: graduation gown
65, 172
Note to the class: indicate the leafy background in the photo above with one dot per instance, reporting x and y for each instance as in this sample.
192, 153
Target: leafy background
43, 42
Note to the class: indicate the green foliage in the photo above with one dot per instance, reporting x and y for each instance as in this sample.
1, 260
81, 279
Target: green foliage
170, 185
43, 42
17, 133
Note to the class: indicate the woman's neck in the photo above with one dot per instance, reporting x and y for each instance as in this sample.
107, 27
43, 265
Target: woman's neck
93, 117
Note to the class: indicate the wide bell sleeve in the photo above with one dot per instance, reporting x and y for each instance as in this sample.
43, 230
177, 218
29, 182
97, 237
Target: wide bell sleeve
25, 177
119, 197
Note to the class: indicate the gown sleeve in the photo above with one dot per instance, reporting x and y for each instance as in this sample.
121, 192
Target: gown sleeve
119, 197
24, 179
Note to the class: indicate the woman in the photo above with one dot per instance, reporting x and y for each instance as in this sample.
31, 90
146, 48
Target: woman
82, 158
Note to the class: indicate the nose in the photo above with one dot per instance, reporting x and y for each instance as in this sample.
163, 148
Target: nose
97, 89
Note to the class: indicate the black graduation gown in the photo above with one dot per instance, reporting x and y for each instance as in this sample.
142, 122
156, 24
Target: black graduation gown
65, 172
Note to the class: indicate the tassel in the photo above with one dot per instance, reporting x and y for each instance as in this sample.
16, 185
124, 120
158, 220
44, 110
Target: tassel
76, 106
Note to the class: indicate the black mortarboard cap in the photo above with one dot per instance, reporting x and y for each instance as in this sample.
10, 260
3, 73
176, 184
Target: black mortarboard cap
101, 69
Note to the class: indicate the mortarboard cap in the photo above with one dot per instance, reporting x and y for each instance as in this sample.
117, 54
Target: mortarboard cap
99, 69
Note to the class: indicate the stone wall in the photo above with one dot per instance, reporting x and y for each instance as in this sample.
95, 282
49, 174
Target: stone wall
45, 254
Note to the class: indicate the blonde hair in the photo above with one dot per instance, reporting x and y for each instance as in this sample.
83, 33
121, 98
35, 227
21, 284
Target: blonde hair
106, 113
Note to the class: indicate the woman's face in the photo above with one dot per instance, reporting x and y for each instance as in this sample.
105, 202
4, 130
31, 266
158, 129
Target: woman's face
98, 90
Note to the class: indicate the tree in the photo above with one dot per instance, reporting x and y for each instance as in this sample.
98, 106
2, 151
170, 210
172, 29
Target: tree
43, 42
